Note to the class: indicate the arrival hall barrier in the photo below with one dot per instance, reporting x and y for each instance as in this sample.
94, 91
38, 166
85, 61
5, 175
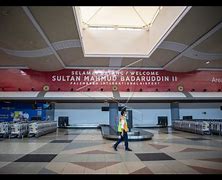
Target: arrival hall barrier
199, 126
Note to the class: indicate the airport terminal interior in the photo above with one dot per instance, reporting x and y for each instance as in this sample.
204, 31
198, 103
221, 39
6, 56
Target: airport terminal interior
68, 72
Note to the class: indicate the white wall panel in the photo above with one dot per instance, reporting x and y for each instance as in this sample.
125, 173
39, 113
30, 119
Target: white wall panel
198, 110
82, 113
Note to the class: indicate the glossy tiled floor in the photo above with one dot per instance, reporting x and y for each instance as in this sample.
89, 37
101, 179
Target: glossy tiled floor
76, 151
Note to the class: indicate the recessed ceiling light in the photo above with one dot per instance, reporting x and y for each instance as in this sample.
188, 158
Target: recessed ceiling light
208, 62
23, 73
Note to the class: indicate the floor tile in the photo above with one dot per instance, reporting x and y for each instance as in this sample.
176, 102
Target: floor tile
56, 167
13, 168
2, 164
70, 158
36, 158
50, 148
144, 170
84, 151
46, 171
134, 166
154, 156
197, 139
9, 157
61, 141
118, 168
194, 150
95, 165
161, 169
71, 168
212, 159
206, 170
97, 152
33, 167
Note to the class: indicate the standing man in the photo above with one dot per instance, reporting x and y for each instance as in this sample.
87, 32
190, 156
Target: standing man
123, 129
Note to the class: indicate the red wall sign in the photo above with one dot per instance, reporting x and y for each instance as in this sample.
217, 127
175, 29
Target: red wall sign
107, 80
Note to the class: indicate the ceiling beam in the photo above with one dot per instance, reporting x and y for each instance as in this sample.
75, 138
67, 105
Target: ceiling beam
196, 43
39, 29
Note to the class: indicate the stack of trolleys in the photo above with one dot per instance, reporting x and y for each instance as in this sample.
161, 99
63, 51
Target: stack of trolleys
216, 127
188, 126
177, 124
185, 125
220, 128
40, 128
19, 129
203, 127
5, 129
199, 127
193, 126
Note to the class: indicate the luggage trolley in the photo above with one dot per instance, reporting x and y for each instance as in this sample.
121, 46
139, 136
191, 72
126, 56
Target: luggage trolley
5, 129
19, 129
41, 128
215, 127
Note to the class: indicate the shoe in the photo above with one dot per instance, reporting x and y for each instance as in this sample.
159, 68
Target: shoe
128, 149
114, 147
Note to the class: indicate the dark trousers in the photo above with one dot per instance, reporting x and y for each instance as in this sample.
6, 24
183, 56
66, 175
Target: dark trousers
125, 138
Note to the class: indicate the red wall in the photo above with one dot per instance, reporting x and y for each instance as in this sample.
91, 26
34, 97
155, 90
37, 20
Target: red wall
147, 80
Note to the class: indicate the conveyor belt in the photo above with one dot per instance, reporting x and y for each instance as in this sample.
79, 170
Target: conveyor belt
134, 135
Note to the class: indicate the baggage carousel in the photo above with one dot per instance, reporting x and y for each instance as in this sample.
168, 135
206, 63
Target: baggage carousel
134, 135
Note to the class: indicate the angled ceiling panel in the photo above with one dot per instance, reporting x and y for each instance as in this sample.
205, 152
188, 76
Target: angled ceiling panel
162, 56
17, 31
158, 59
74, 57
198, 21
58, 22
211, 45
8, 60
132, 62
185, 64
47, 63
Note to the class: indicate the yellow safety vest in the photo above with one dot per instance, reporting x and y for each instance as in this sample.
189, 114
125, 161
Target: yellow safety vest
125, 125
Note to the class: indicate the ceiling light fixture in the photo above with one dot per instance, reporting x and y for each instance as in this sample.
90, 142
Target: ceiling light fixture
23, 73
129, 29
116, 28
101, 28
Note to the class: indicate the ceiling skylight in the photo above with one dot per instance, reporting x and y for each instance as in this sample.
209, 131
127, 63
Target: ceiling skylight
125, 31
123, 18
